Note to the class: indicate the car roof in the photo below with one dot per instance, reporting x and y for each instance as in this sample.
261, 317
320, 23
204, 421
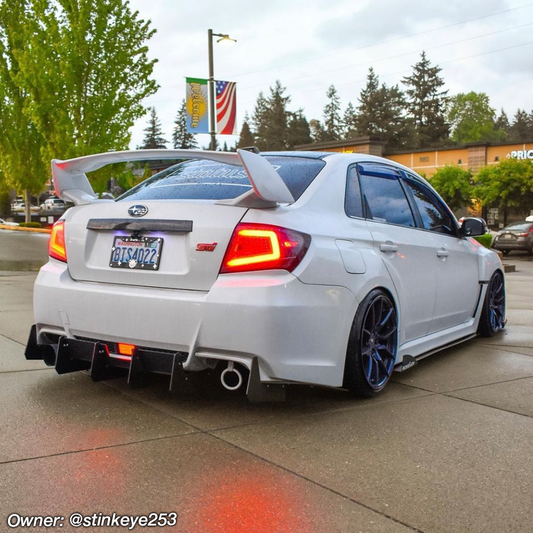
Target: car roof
349, 158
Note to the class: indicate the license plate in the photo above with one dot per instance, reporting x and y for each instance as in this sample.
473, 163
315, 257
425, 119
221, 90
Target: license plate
136, 253
508, 236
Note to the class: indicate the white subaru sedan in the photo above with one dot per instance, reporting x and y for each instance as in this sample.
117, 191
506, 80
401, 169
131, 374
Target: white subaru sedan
269, 269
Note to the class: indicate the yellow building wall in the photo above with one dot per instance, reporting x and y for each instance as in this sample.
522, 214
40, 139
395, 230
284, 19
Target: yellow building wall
499, 153
426, 163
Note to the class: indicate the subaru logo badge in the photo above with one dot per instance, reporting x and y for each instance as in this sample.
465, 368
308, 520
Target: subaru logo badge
138, 210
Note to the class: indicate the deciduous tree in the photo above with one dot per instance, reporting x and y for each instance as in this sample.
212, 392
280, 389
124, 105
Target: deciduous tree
472, 118
21, 142
82, 71
508, 185
454, 184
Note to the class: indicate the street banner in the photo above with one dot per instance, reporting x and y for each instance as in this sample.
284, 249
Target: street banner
196, 105
226, 105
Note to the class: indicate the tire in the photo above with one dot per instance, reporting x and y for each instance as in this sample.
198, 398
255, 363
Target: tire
492, 318
505, 252
372, 346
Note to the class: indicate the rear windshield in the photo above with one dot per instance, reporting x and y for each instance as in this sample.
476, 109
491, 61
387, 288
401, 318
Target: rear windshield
518, 226
199, 179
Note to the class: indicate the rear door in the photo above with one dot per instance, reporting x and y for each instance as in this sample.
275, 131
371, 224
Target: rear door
406, 251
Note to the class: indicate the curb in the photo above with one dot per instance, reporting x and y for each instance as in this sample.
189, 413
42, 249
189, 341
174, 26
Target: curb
18, 228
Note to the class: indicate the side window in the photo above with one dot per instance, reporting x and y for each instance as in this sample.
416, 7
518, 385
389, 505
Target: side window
352, 202
384, 200
434, 216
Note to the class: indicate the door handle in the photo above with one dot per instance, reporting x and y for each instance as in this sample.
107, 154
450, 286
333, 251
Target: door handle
388, 247
442, 253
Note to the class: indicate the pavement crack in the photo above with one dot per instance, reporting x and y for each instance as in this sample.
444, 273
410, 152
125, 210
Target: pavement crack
318, 484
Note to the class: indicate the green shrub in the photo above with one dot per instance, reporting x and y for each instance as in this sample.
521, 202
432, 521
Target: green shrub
485, 240
30, 225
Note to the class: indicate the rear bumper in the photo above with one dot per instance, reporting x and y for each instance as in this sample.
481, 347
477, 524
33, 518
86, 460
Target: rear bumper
296, 332
73, 355
512, 245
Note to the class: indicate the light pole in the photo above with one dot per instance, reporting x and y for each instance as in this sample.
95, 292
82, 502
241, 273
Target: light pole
211, 83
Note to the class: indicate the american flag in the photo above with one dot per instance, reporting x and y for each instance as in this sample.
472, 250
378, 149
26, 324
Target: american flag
226, 107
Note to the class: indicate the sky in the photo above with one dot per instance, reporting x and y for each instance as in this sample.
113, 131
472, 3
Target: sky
309, 45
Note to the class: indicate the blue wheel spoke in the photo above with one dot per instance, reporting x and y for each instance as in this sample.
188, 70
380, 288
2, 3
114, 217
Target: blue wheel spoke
378, 342
386, 319
369, 368
386, 335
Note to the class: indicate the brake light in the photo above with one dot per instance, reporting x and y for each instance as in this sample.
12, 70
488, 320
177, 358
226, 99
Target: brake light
56, 244
264, 247
125, 349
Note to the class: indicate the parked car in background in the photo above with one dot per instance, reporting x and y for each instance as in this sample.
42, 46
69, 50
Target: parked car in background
20, 208
529, 218
53, 204
515, 236
6, 223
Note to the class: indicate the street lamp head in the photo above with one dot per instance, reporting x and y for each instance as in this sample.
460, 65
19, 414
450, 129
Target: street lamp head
224, 37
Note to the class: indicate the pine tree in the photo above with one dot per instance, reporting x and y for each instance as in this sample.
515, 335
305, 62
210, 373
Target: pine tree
271, 119
246, 137
298, 130
366, 121
381, 113
259, 119
349, 121
521, 128
332, 118
502, 125
181, 138
153, 134
317, 130
427, 103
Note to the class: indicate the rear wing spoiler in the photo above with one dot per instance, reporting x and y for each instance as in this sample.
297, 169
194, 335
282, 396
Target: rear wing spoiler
71, 183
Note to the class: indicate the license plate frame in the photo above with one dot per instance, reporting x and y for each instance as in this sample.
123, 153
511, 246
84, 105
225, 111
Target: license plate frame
126, 252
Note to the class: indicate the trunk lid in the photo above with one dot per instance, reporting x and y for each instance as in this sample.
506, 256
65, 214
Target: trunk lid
194, 234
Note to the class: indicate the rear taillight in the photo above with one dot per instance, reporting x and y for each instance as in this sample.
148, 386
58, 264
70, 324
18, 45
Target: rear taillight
264, 247
56, 244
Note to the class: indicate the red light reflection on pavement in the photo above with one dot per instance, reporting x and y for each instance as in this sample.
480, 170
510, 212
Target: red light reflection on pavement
258, 500
106, 466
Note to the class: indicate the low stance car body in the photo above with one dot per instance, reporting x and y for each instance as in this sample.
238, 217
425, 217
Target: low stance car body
276, 268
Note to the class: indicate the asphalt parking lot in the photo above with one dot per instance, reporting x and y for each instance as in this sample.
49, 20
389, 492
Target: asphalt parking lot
446, 448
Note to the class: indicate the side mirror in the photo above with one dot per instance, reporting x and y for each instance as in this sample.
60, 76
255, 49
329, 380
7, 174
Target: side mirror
472, 227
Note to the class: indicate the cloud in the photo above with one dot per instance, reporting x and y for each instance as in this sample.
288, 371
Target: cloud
380, 21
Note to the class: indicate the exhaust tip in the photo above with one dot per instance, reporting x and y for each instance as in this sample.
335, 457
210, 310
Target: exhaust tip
231, 378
